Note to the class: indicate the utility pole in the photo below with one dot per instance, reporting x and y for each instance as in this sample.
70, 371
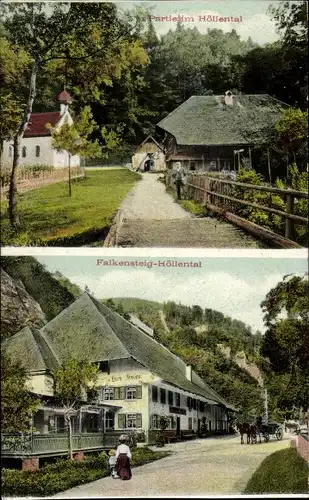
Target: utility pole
266, 406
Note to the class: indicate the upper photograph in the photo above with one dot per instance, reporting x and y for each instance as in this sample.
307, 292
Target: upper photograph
154, 124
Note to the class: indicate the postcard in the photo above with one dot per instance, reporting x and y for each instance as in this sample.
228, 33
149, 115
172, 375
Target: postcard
154, 268
190, 365
155, 124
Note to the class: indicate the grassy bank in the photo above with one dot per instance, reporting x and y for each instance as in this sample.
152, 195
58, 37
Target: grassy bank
65, 474
281, 472
49, 213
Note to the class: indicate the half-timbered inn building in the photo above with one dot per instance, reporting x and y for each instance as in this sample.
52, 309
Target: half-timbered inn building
139, 380
212, 133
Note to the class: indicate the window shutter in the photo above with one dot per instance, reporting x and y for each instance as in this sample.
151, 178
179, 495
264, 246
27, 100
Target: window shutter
121, 421
138, 392
138, 420
117, 392
122, 393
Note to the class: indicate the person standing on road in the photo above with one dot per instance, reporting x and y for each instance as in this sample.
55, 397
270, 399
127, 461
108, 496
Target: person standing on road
179, 175
123, 457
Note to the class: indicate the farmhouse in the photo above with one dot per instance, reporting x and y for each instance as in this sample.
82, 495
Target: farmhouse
213, 133
139, 379
36, 145
149, 156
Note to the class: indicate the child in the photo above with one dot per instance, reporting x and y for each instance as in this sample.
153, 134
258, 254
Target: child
112, 463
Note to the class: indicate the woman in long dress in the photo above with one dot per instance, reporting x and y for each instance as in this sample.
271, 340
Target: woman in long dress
123, 457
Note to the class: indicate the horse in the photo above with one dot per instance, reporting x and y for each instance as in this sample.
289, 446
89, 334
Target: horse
244, 428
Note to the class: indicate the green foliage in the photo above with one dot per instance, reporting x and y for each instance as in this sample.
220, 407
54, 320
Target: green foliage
65, 474
194, 334
286, 342
298, 181
72, 381
292, 130
13, 60
193, 207
47, 214
76, 138
281, 472
17, 405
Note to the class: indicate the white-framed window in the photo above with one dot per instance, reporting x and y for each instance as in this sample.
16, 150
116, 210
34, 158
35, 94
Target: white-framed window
131, 393
38, 151
24, 152
108, 393
130, 421
155, 421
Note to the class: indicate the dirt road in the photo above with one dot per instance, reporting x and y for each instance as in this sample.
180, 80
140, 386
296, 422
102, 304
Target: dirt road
150, 217
209, 466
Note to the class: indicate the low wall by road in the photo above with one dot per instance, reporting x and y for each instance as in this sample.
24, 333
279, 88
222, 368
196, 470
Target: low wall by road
301, 443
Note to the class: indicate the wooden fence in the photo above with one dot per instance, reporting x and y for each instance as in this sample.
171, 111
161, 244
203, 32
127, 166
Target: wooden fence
55, 444
54, 174
220, 195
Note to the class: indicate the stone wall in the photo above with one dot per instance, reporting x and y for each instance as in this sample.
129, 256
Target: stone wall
302, 446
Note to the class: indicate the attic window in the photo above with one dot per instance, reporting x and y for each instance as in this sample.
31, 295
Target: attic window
104, 367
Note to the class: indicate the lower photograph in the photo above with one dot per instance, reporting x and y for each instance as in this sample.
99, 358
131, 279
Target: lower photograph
152, 376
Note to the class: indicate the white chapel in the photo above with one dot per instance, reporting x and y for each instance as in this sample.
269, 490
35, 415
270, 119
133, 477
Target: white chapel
36, 145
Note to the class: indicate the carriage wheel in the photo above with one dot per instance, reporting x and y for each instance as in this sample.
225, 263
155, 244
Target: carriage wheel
279, 434
266, 437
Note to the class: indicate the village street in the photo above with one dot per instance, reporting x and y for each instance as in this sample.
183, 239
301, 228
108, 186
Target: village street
152, 218
210, 466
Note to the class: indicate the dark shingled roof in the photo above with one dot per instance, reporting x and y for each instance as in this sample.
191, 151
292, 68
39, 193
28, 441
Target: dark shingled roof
207, 120
29, 347
88, 329
38, 122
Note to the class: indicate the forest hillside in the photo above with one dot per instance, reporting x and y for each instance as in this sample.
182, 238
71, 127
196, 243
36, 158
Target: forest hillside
222, 350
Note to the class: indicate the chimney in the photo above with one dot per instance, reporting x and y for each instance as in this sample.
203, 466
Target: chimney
228, 98
189, 372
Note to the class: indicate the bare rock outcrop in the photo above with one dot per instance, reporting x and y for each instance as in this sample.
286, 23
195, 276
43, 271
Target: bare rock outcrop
18, 308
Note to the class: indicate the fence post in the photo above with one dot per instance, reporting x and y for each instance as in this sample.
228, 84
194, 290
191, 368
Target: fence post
289, 224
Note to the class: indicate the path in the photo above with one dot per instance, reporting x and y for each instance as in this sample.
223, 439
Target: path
152, 218
210, 466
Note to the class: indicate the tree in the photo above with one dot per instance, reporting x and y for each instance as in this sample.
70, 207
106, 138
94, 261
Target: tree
17, 404
292, 131
286, 340
13, 62
85, 43
75, 139
72, 383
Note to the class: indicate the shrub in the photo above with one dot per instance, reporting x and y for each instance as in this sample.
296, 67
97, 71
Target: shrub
281, 472
193, 207
65, 474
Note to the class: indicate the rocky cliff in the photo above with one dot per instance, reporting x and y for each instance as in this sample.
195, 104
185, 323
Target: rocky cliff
18, 307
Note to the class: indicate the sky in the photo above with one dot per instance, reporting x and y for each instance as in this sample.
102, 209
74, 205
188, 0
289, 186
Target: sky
256, 20
233, 286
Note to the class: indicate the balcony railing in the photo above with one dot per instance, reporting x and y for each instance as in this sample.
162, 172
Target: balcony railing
55, 444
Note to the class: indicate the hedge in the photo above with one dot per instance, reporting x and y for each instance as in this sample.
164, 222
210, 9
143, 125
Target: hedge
65, 474
284, 471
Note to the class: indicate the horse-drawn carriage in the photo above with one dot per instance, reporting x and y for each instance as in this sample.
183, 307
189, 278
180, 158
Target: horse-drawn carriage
272, 429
